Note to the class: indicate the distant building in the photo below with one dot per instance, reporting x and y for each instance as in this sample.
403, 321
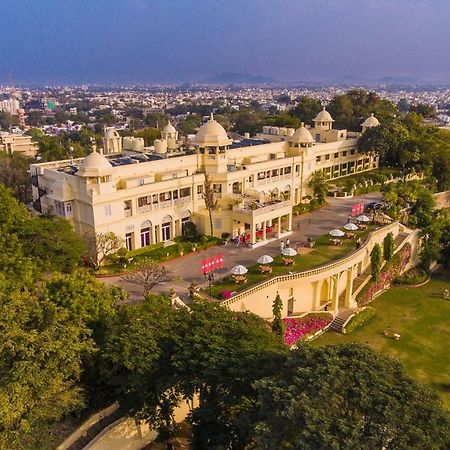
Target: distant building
10, 105
18, 143
149, 198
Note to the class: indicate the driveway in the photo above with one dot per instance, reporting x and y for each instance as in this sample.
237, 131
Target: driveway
187, 268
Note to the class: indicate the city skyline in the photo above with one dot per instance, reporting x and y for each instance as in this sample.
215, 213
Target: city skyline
140, 41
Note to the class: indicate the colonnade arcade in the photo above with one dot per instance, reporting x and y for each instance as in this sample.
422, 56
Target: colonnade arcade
149, 233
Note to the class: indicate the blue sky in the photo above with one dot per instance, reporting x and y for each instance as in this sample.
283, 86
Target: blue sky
120, 41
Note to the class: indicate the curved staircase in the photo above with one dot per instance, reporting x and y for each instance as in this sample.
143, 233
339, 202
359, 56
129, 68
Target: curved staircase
340, 319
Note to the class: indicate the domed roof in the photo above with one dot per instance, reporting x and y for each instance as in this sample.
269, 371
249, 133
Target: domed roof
169, 128
302, 136
212, 133
324, 116
94, 165
371, 121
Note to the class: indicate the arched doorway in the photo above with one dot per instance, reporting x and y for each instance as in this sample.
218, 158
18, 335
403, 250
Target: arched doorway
166, 228
324, 292
185, 218
146, 233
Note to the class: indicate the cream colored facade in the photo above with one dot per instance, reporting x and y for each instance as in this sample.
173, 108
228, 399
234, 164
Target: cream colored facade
256, 181
331, 287
18, 143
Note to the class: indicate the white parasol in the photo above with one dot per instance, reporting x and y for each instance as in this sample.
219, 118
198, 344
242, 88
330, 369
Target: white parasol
264, 259
351, 227
336, 233
289, 251
239, 270
363, 218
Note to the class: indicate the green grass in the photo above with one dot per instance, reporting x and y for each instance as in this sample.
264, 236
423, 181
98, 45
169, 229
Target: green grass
156, 252
322, 253
420, 316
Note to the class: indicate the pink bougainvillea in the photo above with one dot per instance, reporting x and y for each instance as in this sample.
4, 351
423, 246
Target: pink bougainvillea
225, 294
388, 273
297, 329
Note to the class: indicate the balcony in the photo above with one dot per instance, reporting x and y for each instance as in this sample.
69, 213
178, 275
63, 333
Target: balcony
263, 208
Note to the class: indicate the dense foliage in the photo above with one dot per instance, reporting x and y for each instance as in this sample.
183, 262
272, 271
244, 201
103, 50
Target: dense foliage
405, 142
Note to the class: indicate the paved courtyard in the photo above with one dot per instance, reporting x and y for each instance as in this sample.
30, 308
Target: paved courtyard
187, 268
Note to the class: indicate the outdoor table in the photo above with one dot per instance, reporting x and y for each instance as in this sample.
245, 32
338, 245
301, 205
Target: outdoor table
335, 242
350, 235
238, 279
265, 269
288, 261
362, 227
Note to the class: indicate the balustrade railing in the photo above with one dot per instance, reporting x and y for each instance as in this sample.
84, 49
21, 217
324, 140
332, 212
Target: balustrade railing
295, 276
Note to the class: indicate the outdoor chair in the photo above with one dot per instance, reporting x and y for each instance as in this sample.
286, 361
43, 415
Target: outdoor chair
288, 261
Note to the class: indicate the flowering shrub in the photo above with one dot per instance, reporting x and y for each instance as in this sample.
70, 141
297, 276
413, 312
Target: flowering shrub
389, 272
296, 329
225, 294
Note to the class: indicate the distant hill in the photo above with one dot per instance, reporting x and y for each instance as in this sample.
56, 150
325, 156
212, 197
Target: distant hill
238, 78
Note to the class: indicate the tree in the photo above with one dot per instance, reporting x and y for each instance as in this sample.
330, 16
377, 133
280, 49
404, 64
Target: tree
148, 134
40, 365
101, 245
61, 253
427, 111
388, 247
209, 351
277, 322
319, 186
345, 396
376, 260
148, 275
14, 174
7, 121
210, 200
306, 109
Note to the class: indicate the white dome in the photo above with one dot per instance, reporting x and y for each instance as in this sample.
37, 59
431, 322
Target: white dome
212, 133
324, 116
169, 128
371, 121
302, 136
94, 165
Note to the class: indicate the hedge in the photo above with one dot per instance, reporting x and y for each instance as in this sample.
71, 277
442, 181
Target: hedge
359, 319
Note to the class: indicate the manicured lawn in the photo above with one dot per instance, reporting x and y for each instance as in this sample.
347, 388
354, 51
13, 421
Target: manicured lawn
322, 253
421, 317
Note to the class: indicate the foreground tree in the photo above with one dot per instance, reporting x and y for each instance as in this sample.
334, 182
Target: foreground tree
148, 275
346, 397
209, 199
277, 322
319, 186
40, 366
376, 260
388, 247
100, 246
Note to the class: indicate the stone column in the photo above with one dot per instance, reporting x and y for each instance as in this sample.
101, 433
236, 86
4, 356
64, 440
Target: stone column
173, 231
264, 234
290, 222
336, 292
349, 288
253, 233
278, 227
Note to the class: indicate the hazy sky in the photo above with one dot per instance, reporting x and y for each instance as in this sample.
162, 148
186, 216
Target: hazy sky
82, 41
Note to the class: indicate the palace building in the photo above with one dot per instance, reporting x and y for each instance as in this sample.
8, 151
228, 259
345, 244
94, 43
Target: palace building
147, 198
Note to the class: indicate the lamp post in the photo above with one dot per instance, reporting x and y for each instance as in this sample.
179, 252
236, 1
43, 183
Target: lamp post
210, 278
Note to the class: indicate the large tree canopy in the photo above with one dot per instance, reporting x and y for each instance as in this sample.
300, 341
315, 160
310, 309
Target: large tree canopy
345, 397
